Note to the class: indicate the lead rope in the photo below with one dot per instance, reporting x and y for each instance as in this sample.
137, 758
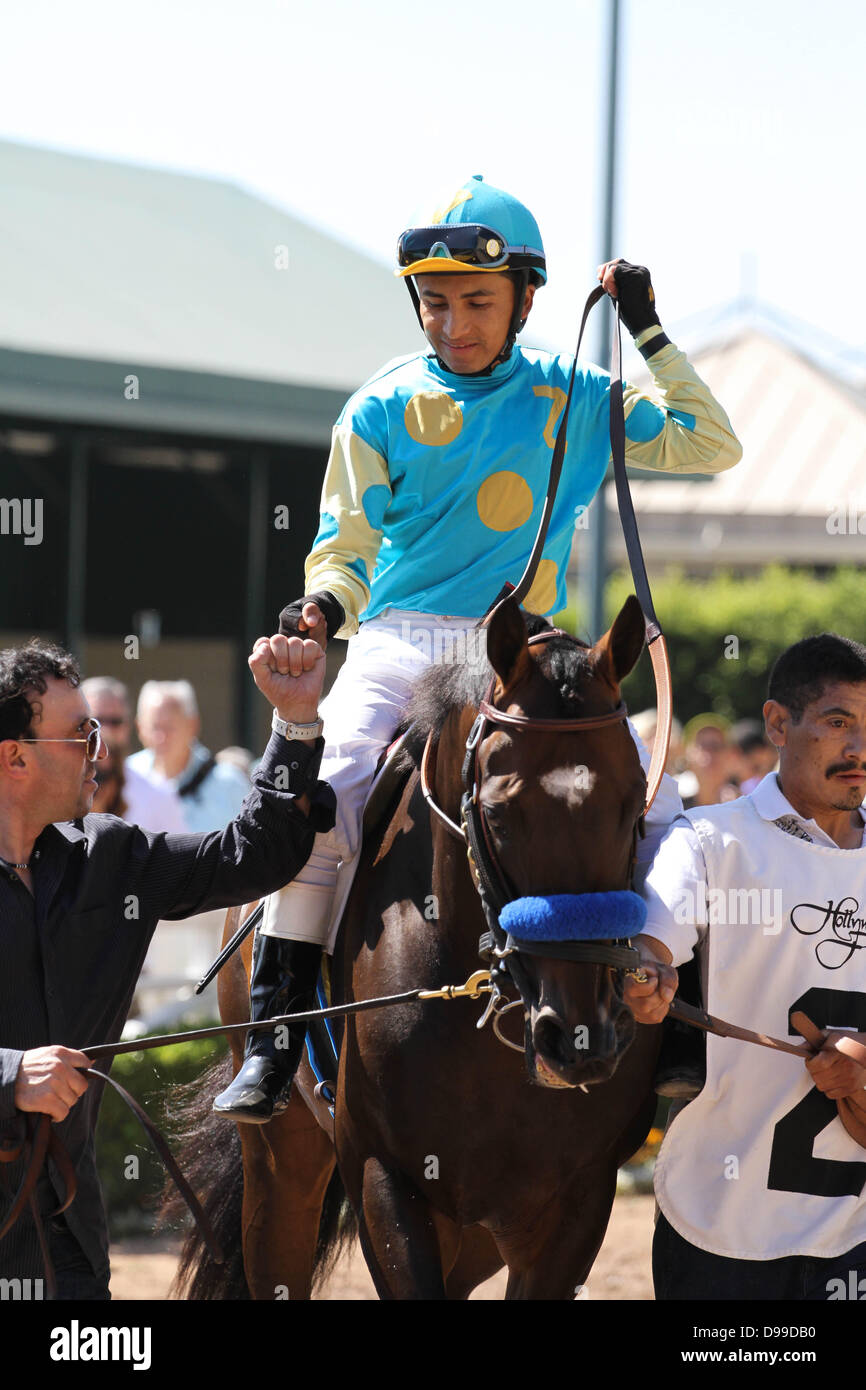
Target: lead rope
37, 1140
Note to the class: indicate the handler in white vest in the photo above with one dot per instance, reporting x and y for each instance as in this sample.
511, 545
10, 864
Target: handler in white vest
760, 1185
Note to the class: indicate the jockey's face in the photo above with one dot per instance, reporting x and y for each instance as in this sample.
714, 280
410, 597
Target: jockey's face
466, 317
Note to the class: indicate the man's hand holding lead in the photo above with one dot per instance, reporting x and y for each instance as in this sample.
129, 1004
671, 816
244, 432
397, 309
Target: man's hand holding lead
650, 1000
839, 1069
49, 1080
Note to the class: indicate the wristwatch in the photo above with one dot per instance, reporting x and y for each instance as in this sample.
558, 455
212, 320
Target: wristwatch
282, 726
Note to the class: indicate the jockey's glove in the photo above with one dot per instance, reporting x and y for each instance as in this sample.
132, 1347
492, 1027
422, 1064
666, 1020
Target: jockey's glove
636, 297
330, 606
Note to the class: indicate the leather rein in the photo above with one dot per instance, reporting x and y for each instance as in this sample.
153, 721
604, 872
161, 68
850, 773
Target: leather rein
488, 875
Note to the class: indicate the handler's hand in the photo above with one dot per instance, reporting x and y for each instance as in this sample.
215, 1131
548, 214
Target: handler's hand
289, 672
839, 1069
651, 1001
48, 1081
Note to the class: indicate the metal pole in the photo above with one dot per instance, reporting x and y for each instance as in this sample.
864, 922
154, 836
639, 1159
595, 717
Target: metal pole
76, 561
596, 531
257, 559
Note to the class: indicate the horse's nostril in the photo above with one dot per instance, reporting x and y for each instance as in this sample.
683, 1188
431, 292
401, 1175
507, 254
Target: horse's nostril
553, 1039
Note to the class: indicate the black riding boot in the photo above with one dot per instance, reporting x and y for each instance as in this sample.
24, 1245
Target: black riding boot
681, 1069
283, 981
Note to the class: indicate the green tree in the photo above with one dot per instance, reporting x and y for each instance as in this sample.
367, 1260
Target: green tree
724, 634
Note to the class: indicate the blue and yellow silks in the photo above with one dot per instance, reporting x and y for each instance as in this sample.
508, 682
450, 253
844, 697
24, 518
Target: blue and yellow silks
436, 480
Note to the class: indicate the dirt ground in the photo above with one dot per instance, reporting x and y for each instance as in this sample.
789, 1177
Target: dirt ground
144, 1268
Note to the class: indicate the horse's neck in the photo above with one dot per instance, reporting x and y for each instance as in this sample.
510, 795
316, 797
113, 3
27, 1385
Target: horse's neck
452, 881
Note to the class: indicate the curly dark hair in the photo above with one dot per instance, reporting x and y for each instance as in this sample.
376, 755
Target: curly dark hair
24, 672
802, 673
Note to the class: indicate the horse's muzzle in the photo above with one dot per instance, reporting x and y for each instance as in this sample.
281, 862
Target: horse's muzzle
560, 1056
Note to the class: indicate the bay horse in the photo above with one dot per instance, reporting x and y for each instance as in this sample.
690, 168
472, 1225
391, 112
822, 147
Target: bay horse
457, 1155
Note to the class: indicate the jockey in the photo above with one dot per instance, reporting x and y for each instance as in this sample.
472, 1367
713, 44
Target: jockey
431, 501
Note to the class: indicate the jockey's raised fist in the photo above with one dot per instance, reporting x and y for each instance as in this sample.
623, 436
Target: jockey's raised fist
632, 286
319, 615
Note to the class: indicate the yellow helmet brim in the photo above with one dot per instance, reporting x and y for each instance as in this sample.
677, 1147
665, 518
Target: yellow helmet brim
443, 265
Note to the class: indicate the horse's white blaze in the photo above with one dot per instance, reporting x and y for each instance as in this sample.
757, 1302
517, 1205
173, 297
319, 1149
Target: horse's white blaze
571, 785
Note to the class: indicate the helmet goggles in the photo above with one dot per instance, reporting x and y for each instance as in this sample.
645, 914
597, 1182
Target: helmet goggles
471, 245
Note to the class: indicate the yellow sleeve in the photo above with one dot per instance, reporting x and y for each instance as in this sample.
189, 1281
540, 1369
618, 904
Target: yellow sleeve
355, 495
702, 441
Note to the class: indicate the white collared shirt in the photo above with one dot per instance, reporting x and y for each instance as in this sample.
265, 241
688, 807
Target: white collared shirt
759, 1165
679, 867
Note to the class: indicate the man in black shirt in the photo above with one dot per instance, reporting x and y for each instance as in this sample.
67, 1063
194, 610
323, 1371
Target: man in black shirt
80, 896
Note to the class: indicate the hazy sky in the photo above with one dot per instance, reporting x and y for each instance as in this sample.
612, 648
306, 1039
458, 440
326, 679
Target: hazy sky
741, 131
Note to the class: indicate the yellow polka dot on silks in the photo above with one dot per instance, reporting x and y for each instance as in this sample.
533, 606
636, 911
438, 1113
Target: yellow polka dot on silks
542, 590
504, 501
431, 417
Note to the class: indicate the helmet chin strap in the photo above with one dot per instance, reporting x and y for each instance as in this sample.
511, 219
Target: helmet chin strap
514, 327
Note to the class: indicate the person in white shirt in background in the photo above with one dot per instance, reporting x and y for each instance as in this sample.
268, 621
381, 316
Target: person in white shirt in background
761, 1179
211, 792
123, 791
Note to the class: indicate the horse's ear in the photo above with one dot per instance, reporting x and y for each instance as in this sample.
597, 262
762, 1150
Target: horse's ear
507, 648
618, 650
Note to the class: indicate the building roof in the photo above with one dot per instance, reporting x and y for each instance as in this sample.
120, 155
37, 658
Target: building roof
106, 263
801, 484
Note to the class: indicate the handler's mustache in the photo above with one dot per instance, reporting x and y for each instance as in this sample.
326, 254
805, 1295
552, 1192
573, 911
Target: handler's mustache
845, 767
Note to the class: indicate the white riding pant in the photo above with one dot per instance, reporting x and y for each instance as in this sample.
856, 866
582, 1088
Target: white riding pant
360, 714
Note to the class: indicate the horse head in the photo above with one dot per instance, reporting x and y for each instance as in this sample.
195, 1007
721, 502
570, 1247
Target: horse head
563, 810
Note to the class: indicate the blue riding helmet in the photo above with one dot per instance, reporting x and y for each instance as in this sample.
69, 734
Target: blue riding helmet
481, 230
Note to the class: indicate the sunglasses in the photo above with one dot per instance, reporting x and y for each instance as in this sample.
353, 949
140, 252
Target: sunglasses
93, 740
465, 241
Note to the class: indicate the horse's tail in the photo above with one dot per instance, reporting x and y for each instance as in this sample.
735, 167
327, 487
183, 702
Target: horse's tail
215, 1171
338, 1229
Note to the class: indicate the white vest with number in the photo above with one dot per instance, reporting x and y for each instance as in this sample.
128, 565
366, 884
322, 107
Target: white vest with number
759, 1165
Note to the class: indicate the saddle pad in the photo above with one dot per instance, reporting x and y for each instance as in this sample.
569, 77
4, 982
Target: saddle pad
384, 785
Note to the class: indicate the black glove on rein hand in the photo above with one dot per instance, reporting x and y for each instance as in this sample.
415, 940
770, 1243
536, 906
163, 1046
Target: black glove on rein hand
330, 606
636, 297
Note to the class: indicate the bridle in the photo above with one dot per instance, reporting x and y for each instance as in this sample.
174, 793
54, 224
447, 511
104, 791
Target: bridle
496, 946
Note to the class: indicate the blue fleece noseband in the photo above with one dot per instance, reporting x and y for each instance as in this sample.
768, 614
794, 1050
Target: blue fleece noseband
575, 917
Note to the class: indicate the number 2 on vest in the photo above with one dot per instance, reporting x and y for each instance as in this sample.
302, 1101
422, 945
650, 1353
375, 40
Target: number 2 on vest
792, 1166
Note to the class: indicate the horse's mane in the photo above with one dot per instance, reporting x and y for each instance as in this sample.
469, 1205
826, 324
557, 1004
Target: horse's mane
453, 685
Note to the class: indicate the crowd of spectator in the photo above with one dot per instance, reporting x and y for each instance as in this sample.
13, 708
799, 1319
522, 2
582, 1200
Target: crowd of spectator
173, 783
712, 760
